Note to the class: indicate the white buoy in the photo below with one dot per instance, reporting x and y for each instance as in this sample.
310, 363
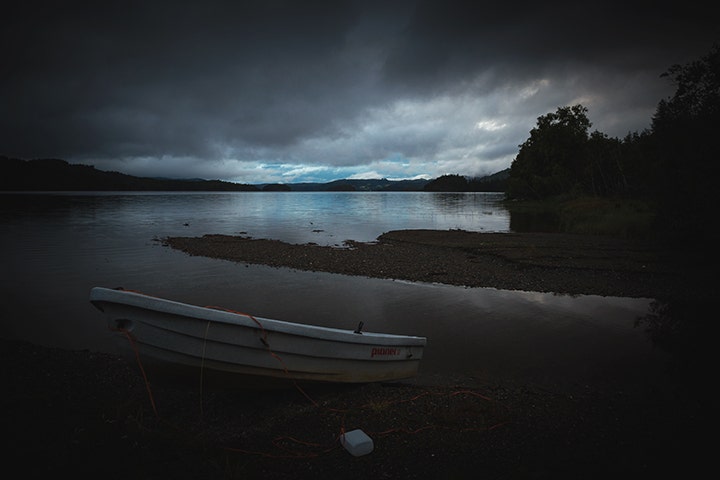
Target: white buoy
357, 443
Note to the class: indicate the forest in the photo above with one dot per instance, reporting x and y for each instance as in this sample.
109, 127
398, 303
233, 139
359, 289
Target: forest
669, 167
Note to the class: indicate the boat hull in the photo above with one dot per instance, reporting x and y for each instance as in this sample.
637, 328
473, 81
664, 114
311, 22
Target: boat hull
236, 343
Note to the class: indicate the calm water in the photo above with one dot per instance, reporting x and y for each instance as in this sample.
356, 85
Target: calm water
56, 247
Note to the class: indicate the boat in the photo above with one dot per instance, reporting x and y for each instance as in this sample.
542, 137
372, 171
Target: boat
219, 340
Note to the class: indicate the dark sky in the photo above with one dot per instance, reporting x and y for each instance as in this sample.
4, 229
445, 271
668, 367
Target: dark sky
289, 91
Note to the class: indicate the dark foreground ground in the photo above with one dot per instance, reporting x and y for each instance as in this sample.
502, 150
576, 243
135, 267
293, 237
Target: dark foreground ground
91, 415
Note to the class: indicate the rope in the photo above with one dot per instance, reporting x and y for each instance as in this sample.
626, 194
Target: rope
134, 346
202, 367
291, 453
264, 340
322, 449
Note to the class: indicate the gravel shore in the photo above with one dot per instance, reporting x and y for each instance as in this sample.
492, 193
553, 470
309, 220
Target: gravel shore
91, 415
542, 262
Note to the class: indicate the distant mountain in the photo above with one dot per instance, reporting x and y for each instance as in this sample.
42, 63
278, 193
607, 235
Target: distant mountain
54, 174
59, 175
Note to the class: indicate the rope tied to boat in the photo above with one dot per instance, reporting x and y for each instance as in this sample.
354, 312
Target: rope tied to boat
133, 344
264, 340
202, 366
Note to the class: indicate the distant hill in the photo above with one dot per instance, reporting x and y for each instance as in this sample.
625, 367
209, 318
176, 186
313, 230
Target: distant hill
458, 183
59, 175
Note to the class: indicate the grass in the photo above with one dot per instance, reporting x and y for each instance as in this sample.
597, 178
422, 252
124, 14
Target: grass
607, 216
618, 217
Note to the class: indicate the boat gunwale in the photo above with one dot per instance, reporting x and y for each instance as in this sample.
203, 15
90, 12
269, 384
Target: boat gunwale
99, 295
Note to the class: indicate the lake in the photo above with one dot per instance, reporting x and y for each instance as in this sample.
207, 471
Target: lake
55, 247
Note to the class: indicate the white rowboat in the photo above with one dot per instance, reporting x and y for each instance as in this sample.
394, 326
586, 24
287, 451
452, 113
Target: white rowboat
233, 342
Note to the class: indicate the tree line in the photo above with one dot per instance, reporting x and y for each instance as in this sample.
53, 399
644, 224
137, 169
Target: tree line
459, 183
671, 164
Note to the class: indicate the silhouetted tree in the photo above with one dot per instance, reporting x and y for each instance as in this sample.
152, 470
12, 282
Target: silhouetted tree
637, 164
552, 160
496, 182
341, 187
604, 172
447, 183
276, 187
687, 152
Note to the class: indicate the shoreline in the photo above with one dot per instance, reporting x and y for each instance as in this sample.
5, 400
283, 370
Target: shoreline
543, 262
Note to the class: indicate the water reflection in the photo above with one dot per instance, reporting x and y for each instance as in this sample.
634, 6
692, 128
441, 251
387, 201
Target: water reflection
680, 326
521, 221
325, 218
472, 211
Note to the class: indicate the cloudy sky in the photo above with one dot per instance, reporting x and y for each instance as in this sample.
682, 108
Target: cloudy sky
297, 91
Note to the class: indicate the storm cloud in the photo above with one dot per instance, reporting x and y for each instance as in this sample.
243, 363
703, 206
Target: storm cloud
288, 91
